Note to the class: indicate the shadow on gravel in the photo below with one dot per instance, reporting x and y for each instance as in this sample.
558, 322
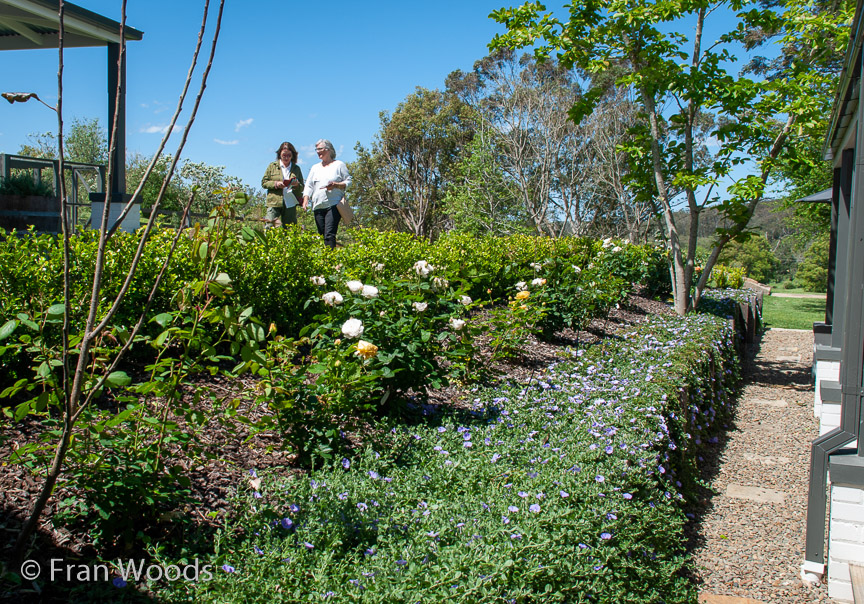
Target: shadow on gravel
762, 374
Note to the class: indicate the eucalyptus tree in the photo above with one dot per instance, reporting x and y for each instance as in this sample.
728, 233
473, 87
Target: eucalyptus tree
404, 173
681, 83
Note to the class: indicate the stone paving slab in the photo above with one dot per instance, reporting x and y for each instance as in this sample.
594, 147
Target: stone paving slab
715, 599
759, 494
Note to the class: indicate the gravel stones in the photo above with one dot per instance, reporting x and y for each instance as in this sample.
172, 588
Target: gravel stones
750, 542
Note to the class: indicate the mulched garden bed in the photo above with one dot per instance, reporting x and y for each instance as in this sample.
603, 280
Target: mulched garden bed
234, 453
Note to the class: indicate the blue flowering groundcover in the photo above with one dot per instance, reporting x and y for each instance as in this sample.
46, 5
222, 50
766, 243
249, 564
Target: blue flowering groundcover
573, 488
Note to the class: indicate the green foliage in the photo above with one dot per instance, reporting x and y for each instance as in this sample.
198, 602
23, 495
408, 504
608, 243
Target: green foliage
85, 141
813, 271
723, 277
630, 44
754, 255
22, 183
477, 201
570, 488
402, 177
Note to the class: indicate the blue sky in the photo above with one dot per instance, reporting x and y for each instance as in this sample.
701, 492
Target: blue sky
283, 71
296, 71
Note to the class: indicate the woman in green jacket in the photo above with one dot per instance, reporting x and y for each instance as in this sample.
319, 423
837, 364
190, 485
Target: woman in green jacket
284, 183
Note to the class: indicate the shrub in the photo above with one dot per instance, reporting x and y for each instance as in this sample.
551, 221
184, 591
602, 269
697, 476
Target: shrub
571, 488
23, 183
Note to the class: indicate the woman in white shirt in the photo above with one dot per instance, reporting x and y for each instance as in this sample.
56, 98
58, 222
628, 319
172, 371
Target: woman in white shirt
324, 188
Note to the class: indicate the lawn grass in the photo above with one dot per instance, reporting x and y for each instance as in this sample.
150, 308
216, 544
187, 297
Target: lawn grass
792, 313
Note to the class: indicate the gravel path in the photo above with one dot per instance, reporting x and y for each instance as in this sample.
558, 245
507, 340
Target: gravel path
750, 541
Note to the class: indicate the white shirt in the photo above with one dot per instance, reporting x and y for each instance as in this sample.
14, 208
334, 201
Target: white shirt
287, 195
320, 176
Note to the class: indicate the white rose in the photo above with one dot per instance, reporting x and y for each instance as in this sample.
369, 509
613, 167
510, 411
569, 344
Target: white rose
440, 283
332, 298
354, 286
317, 280
423, 268
607, 243
465, 300
379, 267
369, 291
538, 282
616, 248
420, 306
457, 324
576, 269
536, 266
352, 328
521, 286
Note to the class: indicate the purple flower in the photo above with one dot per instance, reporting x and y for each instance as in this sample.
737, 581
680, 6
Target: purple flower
515, 536
373, 475
522, 494
467, 444
294, 508
505, 520
495, 457
583, 546
258, 550
362, 506
442, 429
627, 496
308, 545
609, 449
287, 523
119, 582
252, 473
605, 536
228, 568
401, 562
600, 478
513, 509
369, 552
342, 496
535, 508
564, 494
256, 495
346, 463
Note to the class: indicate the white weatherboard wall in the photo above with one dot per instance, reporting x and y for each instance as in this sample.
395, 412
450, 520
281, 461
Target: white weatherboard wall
845, 540
826, 371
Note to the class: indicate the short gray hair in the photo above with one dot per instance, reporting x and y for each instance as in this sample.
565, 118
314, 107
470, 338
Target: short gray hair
329, 146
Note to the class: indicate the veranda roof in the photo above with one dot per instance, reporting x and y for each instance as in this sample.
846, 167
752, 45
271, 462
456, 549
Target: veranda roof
30, 24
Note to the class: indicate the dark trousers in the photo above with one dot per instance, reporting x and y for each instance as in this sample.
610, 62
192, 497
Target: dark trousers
327, 222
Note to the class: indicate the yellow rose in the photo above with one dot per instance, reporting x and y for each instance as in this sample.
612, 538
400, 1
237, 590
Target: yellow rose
523, 295
365, 349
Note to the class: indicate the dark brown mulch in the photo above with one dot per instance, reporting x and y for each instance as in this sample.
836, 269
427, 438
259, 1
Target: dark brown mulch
234, 452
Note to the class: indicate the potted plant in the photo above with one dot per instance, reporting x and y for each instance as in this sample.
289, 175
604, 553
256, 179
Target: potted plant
26, 202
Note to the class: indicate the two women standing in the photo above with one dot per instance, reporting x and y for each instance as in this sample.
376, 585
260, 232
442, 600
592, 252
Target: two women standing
323, 190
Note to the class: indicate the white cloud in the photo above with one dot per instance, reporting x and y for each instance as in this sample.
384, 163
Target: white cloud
221, 142
242, 124
157, 129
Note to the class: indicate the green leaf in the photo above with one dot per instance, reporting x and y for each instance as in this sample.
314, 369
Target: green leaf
56, 310
223, 279
118, 379
317, 368
162, 319
8, 328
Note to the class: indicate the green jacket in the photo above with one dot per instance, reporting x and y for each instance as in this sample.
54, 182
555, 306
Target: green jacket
272, 176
